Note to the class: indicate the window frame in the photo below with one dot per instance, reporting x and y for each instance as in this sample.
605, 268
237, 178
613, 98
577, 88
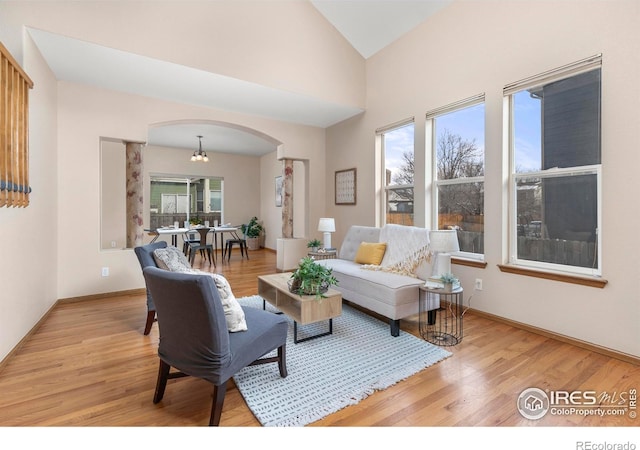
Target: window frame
385, 188
558, 74
431, 143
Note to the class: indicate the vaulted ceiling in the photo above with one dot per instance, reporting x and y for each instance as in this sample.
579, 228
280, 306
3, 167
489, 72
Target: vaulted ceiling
369, 25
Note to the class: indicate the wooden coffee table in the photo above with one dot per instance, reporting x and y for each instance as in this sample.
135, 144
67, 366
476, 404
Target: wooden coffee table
303, 309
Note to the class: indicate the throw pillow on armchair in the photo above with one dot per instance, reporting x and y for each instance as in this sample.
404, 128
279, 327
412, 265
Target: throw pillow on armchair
172, 259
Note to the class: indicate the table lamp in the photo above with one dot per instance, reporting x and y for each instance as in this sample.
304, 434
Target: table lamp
443, 243
327, 226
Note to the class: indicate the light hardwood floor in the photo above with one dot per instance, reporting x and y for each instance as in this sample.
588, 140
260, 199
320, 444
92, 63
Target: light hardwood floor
88, 364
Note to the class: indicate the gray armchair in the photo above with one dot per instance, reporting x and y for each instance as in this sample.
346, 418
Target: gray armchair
194, 338
145, 258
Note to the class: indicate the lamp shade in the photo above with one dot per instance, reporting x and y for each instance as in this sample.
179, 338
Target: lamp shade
444, 241
327, 224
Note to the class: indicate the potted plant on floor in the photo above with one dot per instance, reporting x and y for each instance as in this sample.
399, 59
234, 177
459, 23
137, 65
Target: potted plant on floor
311, 278
252, 232
314, 244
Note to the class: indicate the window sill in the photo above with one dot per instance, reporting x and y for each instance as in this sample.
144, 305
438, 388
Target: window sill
565, 278
469, 262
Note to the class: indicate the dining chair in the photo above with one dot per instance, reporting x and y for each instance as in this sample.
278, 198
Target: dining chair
201, 246
236, 240
195, 341
188, 238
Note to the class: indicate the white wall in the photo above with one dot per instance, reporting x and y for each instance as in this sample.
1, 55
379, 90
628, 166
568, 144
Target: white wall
474, 47
113, 195
28, 269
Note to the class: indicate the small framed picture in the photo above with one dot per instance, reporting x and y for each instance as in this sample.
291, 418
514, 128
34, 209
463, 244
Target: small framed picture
279, 191
346, 183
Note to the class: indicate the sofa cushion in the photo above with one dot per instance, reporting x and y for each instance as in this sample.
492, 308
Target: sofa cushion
171, 258
353, 238
370, 253
377, 286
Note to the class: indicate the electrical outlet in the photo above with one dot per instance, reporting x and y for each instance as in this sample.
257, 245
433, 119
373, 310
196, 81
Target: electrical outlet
113, 244
478, 284
105, 271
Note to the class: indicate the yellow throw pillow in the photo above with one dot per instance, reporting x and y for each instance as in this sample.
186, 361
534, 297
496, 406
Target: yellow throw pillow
370, 253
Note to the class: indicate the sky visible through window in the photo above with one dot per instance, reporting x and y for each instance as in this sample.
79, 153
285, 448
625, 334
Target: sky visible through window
396, 143
469, 124
527, 123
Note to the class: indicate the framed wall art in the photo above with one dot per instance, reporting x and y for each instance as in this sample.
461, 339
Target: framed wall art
279, 191
346, 182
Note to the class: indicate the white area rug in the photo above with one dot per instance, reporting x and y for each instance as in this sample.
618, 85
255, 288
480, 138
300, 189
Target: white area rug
331, 372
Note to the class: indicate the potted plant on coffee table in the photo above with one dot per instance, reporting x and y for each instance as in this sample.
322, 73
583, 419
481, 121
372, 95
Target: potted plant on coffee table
311, 278
252, 232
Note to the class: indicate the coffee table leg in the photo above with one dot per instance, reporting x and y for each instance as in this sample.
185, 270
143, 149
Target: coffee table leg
295, 333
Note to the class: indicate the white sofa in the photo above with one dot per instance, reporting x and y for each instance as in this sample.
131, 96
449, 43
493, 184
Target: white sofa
380, 289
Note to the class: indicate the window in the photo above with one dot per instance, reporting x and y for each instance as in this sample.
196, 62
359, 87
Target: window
398, 157
179, 199
215, 196
457, 146
175, 203
555, 176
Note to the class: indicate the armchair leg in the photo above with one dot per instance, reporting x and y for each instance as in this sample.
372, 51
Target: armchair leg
282, 360
218, 400
163, 375
151, 316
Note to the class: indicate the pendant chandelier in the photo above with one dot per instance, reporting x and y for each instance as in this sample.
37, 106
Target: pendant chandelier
199, 155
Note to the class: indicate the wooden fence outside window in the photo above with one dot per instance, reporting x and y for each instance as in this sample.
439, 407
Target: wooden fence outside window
14, 132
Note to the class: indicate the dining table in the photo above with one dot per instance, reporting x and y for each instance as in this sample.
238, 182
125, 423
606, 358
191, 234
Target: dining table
202, 231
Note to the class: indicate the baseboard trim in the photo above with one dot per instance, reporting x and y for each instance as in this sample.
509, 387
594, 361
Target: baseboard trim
85, 298
561, 337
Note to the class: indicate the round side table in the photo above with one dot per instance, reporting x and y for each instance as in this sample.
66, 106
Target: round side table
441, 312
